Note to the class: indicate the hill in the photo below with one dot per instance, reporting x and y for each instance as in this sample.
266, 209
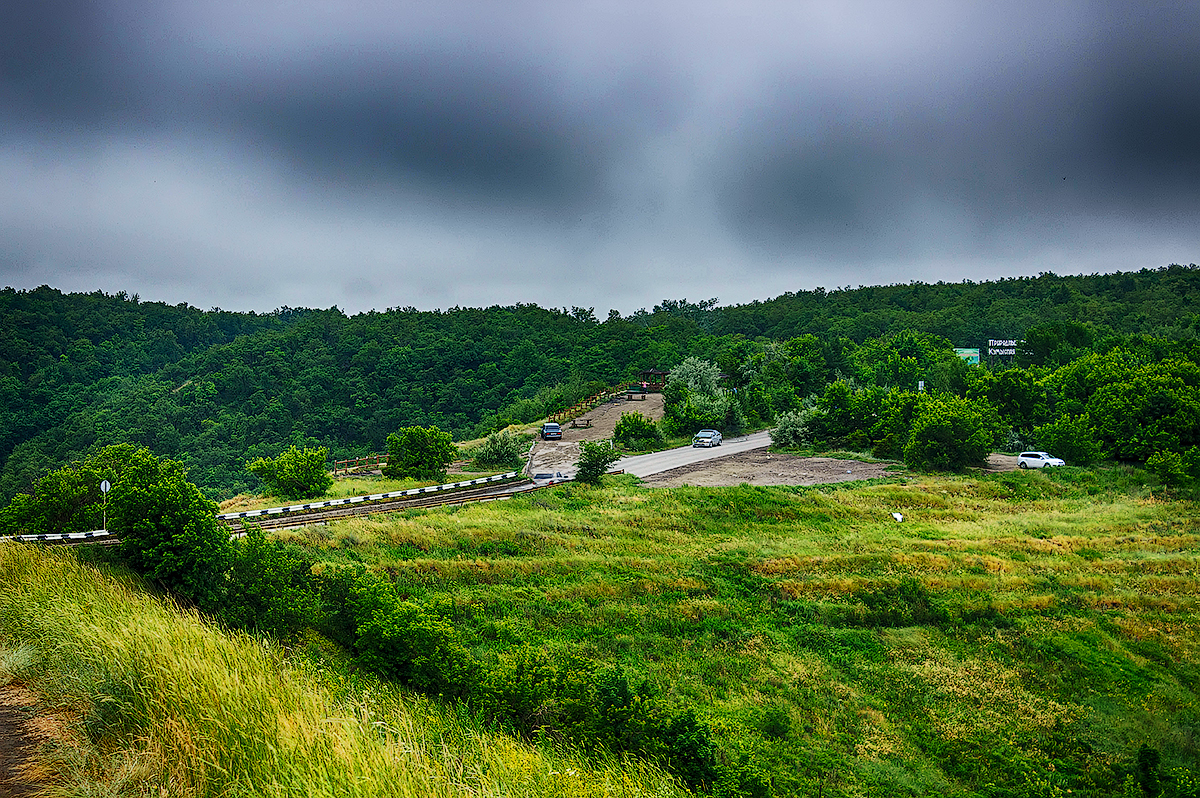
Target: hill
215, 389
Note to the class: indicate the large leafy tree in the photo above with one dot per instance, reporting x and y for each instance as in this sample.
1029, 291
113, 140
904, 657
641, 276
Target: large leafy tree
419, 453
294, 474
168, 528
950, 433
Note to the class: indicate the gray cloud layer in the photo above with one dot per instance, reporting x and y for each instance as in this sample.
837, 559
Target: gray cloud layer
250, 156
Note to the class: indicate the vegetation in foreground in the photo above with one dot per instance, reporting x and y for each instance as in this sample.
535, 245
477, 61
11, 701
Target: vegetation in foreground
1020, 634
164, 704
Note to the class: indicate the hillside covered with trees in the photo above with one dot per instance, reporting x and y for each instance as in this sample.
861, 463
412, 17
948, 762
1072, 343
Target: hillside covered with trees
215, 389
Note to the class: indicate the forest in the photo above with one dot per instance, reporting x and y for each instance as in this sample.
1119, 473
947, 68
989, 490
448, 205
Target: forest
216, 389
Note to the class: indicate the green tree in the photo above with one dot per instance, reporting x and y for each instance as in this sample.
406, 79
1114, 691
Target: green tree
636, 432
1071, 438
698, 376
1148, 409
295, 474
419, 453
594, 461
168, 528
501, 450
950, 433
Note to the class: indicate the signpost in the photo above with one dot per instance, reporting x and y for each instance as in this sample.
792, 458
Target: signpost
105, 486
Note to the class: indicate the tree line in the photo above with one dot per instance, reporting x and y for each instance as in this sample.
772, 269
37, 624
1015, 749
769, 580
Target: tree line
214, 389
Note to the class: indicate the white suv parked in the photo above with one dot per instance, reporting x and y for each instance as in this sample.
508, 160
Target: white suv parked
1037, 460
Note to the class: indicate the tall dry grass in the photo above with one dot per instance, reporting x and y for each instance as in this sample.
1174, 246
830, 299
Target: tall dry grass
167, 705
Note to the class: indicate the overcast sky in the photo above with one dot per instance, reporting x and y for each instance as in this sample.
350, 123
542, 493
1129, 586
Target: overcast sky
250, 154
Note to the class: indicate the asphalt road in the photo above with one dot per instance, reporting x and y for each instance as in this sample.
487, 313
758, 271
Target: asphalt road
643, 465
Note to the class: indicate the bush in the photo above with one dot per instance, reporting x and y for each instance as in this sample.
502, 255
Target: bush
500, 450
792, 431
402, 641
594, 460
635, 431
268, 587
419, 453
169, 530
950, 433
295, 474
1175, 470
1071, 438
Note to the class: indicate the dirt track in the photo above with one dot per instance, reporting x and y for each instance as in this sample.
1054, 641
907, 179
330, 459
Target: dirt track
21, 732
561, 455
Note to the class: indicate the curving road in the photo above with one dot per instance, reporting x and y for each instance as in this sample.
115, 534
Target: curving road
643, 465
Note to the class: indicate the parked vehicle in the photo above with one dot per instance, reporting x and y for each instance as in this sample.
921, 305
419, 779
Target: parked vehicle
1037, 460
551, 432
707, 437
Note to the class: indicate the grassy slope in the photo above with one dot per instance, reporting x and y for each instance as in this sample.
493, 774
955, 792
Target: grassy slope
169, 706
1053, 633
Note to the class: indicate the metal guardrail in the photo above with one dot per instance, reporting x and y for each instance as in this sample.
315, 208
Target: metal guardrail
49, 538
373, 497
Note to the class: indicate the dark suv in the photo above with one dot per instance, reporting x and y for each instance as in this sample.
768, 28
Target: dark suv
551, 432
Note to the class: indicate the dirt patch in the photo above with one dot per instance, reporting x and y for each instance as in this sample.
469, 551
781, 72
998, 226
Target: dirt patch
761, 467
22, 733
1000, 462
561, 455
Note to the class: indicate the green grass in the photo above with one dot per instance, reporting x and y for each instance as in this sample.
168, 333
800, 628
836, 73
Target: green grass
1053, 631
163, 704
1017, 634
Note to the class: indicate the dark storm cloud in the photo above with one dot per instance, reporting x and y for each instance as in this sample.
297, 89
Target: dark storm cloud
260, 154
1104, 126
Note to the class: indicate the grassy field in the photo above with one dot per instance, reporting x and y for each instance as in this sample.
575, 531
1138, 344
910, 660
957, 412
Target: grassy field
1014, 634
162, 704
1017, 634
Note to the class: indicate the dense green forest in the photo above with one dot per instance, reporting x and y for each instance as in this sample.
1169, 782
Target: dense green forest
214, 389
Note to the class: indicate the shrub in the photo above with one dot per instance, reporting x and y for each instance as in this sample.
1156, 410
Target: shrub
295, 474
594, 460
268, 587
501, 450
792, 430
1174, 469
635, 431
690, 753
169, 530
402, 641
1071, 438
950, 433
419, 453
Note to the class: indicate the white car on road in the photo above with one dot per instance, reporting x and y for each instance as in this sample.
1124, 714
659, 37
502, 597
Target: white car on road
707, 437
1037, 460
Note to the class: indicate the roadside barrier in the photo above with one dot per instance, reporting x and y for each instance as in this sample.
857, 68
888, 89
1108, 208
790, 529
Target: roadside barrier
95, 533
373, 497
